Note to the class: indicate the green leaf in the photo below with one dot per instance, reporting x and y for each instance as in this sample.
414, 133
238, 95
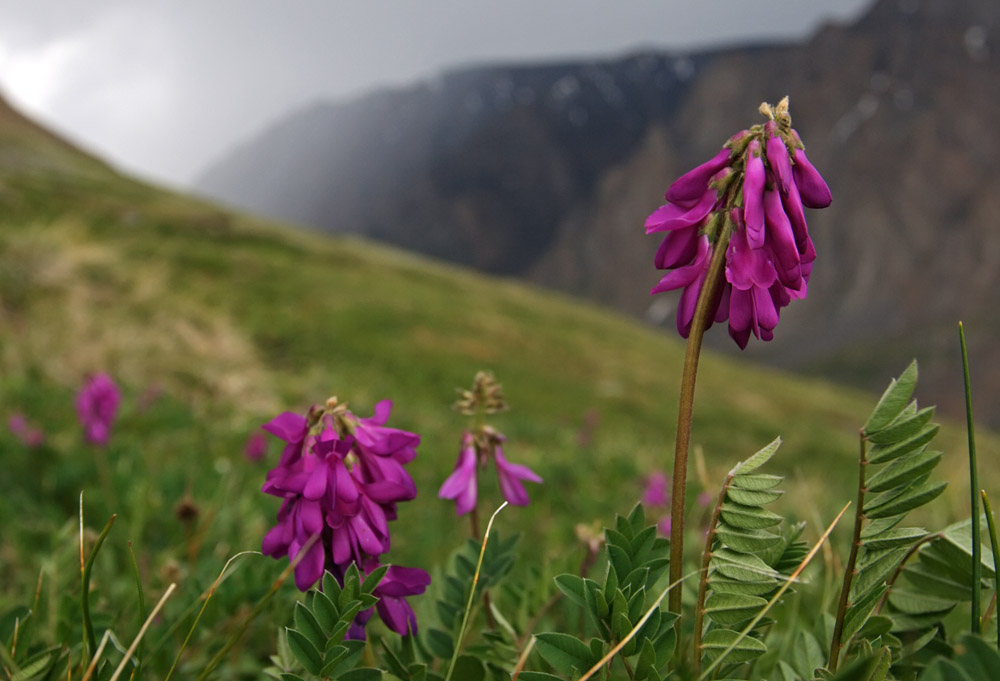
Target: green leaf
440, 644
893, 400
857, 614
646, 662
753, 497
331, 587
573, 588
876, 626
748, 541
749, 517
538, 676
756, 482
618, 557
933, 583
741, 566
904, 470
325, 611
904, 536
941, 669
740, 586
911, 498
364, 674
304, 651
913, 603
287, 676
469, 668
746, 648
883, 453
306, 624
637, 518
874, 568
903, 427
730, 608
877, 527
566, 653
981, 660
758, 459
373, 579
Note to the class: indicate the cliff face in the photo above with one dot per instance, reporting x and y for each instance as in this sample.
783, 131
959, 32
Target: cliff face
548, 172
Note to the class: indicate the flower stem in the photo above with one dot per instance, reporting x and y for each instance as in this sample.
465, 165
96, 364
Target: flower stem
685, 409
850, 568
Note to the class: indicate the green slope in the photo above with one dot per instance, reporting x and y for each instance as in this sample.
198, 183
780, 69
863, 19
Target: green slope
236, 319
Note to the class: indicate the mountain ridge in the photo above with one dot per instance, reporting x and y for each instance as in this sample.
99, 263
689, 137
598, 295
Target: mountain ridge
547, 174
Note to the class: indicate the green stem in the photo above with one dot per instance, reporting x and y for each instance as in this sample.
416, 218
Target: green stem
977, 569
685, 410
88, 626
850, 569
706, 559
992, 529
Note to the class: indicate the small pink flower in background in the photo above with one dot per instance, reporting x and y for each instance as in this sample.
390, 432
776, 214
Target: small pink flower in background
97, 405
655, 491
30, 436
256, 447
663, 527
704, 499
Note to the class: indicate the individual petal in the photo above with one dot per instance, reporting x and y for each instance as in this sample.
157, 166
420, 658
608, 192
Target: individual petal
678, 248
461, 484
684, 276
779, 232
674, 216
309, 571
777, 157
765, 313
288, 426
747, 267
813, 188
792, 204
687, 189
510, 476
753, 192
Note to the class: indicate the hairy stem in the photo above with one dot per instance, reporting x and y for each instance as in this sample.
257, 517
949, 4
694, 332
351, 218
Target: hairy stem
685, 409
850, 569
706, 558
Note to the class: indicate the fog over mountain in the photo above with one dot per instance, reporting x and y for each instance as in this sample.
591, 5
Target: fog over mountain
547, 172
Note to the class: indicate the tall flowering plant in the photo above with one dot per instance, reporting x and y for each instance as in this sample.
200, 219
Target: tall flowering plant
481, 444
738, 247
340, 479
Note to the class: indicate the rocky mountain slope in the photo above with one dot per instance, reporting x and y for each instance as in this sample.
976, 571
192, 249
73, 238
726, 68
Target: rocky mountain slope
547, 172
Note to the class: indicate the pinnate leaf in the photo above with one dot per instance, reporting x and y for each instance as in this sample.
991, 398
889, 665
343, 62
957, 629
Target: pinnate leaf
893, 400
566, 653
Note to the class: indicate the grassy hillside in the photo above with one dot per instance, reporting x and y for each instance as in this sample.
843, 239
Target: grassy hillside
231, 320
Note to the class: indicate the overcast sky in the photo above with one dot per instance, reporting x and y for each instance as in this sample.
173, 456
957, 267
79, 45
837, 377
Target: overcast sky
164, 87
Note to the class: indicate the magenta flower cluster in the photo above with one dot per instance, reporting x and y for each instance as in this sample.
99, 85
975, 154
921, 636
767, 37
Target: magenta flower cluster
96, 406
750, 199
340, 478
477, 448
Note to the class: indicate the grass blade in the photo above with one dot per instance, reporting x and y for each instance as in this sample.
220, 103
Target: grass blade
472, 593
992, 529
973, 486
88, 626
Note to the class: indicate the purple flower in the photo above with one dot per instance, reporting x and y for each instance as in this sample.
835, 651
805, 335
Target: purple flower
392, 591
96, 405
30, 436
655, 491
751, 195
340, 478
461, 484
256, 447
477, 448
511, 475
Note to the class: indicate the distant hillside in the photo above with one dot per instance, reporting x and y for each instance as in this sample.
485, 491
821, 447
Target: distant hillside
547, 172
232, 320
